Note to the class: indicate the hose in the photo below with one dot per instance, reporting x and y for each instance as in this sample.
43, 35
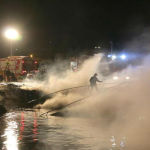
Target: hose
57, 92
65, 105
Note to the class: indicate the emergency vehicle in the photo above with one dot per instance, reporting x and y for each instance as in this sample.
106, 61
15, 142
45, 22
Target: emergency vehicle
20, 66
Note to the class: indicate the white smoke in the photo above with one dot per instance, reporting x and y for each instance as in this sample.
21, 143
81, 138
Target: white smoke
120, 106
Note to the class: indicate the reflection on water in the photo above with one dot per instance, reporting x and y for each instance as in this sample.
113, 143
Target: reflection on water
21, 126
10, 133
27, 131
35, 131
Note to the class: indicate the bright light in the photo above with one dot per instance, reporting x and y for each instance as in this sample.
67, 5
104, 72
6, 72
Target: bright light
108, 55
127, 78
35, 62
114, 57
11, 34
115, 78
11, 142
31, 55
123, 56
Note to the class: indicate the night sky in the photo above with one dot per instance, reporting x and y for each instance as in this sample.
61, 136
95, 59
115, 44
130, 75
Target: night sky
51, 28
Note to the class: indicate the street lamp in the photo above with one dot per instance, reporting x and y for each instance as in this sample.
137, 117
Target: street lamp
11, 34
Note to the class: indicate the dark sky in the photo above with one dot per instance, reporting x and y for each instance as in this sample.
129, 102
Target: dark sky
67, 27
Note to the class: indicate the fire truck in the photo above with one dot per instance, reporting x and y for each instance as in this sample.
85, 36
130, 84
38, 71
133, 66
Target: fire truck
19, 66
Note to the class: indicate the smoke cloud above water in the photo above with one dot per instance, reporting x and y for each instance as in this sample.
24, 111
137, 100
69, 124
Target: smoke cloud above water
56, 81
119, 108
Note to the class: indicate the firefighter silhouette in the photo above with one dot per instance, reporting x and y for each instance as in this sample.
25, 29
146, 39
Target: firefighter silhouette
93, 81
8, 75
1, 74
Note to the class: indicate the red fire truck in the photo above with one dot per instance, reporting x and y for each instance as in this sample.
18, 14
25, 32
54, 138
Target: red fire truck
20, 66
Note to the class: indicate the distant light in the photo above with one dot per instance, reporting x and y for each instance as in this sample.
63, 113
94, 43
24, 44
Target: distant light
108, 55
114, 57
123, 57
31, 55
35, 62
99, 47
11, 34
115, 78
24, 71
127, 78
95, 47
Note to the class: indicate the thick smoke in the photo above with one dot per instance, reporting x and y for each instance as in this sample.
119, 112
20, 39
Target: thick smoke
57, 81
119, 108
123, 109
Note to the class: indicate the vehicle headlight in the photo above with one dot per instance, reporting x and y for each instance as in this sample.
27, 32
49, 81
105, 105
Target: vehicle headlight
109, 55
114, 57
123, 56
127, 77
115, 78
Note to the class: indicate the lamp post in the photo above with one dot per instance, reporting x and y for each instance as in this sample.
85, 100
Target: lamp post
11, 34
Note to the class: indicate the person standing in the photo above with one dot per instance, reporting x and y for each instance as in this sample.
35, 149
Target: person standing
93, 80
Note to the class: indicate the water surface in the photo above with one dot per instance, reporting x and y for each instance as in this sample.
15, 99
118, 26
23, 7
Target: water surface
26, 130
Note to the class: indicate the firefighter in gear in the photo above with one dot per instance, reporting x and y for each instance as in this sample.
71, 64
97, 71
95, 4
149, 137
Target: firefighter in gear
93, 81
7, 73
1, 74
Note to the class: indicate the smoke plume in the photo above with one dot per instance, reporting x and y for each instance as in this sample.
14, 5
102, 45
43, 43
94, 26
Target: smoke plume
119, 108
